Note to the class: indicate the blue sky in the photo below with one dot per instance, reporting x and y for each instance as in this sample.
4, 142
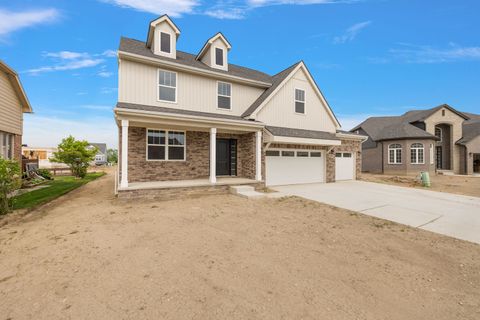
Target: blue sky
369, 57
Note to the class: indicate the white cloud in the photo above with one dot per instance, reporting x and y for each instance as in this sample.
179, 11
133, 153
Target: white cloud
70, 60
262, 3
105, 74
409, 53
106, 90
97, 107
109, 53
174, 8
12, 21
351, 33
38, 130
231, 14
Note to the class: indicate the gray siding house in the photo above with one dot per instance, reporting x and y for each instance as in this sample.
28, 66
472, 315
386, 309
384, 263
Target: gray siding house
438, 139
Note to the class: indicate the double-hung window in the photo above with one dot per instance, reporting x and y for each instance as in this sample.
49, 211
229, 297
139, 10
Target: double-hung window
165, 145
167, 86
395, 153
165, 42
417, 153
6, 145
224, 93
299, 101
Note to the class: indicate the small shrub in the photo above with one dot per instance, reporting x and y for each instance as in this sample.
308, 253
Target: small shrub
10, 180
45, 173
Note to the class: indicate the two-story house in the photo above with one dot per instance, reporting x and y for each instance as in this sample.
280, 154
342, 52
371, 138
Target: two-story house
196, 122
440, 139
13, 103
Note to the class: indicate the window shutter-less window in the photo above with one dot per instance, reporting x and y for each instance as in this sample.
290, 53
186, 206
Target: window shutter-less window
219, 56
165, 42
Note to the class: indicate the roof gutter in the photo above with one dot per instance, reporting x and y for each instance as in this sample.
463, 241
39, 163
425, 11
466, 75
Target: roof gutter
361, 138
140, 58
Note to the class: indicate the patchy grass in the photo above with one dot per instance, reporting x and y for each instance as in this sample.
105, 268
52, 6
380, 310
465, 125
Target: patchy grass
55, 188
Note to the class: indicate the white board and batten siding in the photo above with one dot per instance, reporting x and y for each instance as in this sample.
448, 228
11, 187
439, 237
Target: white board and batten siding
287, 170
279, 111
11, 119
138, 83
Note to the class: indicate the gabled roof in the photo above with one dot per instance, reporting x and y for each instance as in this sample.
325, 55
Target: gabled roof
470, 131
102, 147
421, 115
138, 47
17, 85
276, 81
281, 78
155, 22
210, 41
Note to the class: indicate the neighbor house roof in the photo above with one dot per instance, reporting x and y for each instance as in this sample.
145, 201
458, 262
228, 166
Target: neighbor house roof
470, 130
421, 115
301, 133
102, 147
17, 85
183, 58
141, 107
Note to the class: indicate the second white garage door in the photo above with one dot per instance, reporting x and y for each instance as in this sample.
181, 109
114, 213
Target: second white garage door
344, 166
285, 167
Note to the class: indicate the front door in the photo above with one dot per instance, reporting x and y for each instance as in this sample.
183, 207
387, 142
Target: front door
439, 158
226, 157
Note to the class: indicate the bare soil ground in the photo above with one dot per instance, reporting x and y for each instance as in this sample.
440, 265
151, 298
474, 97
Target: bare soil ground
90, 256
469, 186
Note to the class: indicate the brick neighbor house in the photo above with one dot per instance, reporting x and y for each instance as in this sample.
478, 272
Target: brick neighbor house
13, 104
441, 139
195, 123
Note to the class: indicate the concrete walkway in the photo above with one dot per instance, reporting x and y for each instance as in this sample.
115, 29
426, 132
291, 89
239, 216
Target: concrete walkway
449, 214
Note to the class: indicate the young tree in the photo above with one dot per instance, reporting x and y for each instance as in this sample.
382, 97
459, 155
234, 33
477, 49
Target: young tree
10, 180
112, 155
75, 154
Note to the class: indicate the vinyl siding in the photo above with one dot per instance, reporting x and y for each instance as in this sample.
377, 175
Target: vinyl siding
138, 83
11, 116
280, 110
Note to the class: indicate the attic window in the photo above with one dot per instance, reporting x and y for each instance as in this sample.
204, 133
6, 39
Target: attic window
299, 101
219, 56
165, 42
443, 113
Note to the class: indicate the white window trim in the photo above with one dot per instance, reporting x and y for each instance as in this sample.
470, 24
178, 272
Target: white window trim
215, 57
171, 42
161, 85
8, 148
416, 153
166, 145
441, 133
295, 101
394, 154
221, 95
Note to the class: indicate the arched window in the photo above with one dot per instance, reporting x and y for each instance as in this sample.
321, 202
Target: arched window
417, 153
395, 153
438, 133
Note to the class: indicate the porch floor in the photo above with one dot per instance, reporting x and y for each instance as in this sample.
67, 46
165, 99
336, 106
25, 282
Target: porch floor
221, 181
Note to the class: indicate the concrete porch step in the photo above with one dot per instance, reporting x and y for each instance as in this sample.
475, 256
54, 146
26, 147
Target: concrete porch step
445, 172
246, 192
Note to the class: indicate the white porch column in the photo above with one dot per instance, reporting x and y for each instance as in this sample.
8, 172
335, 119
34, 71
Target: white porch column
213, 155
258, 156
124, 180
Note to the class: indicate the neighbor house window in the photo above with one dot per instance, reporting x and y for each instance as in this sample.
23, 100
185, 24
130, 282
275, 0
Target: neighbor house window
299, 101
165, 145
395, 153
165, 42
167, 86
6, 145
224, 95
416, 153
219, 56
438, 133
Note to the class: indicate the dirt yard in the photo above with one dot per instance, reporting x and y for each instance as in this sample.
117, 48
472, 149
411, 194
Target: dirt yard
469, 186
89, 256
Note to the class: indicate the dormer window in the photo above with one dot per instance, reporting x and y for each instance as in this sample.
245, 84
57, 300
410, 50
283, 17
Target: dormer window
219, 56
165, 42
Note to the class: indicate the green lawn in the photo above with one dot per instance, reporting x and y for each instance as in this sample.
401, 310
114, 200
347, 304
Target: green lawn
56, 188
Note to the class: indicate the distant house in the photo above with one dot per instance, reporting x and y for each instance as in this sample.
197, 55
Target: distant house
43, 154
13, 104
101, 156
437, 139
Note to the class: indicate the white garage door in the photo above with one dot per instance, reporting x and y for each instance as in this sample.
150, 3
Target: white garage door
344, 166
294, 167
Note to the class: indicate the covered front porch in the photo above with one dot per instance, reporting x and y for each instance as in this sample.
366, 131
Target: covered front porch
166, 152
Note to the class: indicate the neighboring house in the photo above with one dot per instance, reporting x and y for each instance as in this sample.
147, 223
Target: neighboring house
13, 103
437, 139
101, 156
43, 154
197, 120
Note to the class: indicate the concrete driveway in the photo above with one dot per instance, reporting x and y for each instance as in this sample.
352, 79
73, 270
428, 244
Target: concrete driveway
449, 214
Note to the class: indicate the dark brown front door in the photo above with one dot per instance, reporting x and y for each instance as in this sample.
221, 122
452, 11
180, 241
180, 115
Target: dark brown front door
226, 157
